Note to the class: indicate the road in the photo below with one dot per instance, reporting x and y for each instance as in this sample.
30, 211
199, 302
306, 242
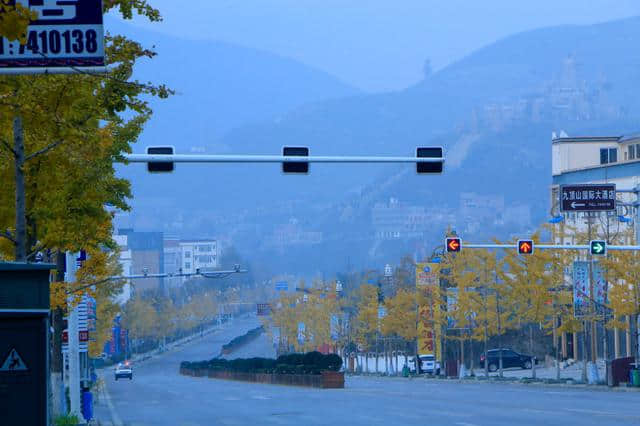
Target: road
158, 395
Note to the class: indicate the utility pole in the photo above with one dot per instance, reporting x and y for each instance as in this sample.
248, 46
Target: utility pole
74, 343
593, 373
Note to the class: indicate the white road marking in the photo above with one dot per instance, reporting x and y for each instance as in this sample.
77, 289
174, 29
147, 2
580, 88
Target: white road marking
599, 413
466, 424
231, 398
114, 415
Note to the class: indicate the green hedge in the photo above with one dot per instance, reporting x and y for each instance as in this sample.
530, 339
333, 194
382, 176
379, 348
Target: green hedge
245, 338
309, 363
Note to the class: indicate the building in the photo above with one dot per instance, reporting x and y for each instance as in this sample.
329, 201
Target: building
591, 159
126, 265
147, 257
172, 261
198, 254
292, 234
395, 220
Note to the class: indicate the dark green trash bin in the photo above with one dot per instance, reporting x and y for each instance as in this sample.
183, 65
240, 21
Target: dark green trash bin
635, 378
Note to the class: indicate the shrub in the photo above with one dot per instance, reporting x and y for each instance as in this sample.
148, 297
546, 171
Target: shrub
309, 363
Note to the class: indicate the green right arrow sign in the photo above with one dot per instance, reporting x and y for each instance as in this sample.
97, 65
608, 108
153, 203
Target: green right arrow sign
598, 247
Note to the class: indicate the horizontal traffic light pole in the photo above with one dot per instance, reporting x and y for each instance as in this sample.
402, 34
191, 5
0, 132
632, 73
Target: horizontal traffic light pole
204, 274
190, 158
548, 247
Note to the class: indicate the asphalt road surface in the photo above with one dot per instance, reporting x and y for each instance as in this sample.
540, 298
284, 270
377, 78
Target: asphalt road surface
158, 395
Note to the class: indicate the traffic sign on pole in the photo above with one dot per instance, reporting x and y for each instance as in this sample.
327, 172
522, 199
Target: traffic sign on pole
295, 167
598, 247
525, 246
453, 245
67, 37
430, 152
588, 197
160, 166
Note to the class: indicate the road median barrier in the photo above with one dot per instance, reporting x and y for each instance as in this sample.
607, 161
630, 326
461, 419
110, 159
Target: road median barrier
312, 369
240, 341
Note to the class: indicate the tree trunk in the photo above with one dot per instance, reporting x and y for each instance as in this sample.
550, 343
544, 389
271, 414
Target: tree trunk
499, 335
21, 215
584, 352
533, 357
486, 349
471, 356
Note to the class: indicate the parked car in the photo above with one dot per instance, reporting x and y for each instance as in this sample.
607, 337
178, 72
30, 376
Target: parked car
510, 359
124, 371
428, 364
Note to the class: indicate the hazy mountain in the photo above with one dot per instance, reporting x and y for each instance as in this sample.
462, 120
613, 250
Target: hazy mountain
378, 44
499, 104
221, 85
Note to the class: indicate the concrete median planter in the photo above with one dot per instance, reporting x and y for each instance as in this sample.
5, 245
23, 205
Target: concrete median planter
325, 380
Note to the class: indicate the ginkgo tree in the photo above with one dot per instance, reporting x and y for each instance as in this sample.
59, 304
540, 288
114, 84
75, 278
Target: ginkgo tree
59, 138
530, 282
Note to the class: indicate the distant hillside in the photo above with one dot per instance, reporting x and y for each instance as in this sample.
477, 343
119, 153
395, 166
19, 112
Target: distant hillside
493, 111
220, 86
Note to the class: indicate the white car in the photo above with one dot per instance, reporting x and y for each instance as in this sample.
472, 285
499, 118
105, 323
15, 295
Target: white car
124, 371
428, 364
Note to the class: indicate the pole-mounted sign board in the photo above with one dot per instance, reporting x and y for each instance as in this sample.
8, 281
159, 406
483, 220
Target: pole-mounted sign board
24, 343
588, 197
68, 36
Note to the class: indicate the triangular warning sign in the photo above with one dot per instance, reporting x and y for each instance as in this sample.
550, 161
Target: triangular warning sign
13, 362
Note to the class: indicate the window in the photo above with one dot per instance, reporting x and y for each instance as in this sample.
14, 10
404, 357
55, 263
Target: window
187, 254
205, 259
608, 155
204, 248
638, 150
632, 152
187, 265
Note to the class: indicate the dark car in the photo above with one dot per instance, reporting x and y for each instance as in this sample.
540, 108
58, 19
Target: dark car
510, 359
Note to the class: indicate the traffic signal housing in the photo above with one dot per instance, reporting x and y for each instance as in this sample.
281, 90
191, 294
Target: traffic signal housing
160, 166
295, 167
525, 246
598, 247
430, 152
453, 245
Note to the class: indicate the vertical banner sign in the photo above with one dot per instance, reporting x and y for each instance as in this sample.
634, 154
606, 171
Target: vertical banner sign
301, 329
334, 327
428, 283
276, 336
67, 34
382, 312
599, 288
581, 290
452, 306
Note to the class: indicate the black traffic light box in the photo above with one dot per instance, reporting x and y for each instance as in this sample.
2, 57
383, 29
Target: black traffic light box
295, 167
598, 247
525, 246
453, 245
429, 152
160, 166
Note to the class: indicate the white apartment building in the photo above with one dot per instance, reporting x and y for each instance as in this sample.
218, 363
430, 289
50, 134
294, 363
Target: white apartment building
593, 160
608, 159
198, 254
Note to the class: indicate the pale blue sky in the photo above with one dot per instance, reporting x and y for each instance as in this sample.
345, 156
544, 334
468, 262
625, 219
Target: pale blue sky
375, 45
